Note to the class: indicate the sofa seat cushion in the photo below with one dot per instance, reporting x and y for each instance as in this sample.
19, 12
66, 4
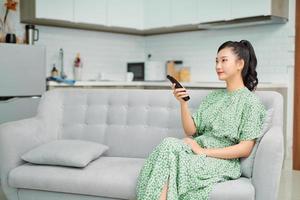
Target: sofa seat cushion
114, 177
239, 189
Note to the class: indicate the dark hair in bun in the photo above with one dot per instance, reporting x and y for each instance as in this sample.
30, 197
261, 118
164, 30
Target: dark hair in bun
245, 51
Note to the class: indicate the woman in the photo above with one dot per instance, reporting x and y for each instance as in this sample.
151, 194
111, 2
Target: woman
221, 131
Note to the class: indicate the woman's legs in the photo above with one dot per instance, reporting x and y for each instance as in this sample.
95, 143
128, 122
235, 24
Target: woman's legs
163, 195
153, 182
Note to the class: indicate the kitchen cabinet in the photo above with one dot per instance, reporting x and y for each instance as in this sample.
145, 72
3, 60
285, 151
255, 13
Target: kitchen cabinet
246, 8
184, 12
125, 13
148, 17
214, 10
90, 11
54, 9
157, 13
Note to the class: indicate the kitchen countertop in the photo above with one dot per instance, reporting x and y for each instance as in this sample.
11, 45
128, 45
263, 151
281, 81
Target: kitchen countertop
220, 84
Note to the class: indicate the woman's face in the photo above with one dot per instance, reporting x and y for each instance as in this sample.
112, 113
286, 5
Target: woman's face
228, 65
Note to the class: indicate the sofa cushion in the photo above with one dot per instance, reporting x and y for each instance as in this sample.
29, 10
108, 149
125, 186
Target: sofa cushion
113, 177
247, 163
120, 119
73, 153
26, 194
239, 189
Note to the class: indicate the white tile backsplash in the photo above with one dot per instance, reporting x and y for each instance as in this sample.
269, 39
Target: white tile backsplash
100, 51
272, 43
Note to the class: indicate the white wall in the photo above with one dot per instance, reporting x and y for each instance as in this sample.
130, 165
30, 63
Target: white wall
100, 51
273, 44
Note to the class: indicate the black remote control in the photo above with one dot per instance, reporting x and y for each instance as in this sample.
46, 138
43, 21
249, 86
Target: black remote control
177, 85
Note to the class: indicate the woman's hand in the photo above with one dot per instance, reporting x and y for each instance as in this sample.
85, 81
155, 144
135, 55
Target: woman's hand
179, 93
196, 148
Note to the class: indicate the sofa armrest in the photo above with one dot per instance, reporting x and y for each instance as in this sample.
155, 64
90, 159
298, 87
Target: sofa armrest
268, 164
16, 138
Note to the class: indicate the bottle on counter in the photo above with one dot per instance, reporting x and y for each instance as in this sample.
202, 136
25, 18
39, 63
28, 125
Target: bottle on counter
77, 68
54, 71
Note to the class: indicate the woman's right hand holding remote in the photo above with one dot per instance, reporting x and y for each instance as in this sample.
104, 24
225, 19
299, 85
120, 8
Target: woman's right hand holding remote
179, 93
187, 121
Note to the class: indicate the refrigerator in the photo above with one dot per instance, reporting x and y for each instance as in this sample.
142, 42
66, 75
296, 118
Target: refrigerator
22, 80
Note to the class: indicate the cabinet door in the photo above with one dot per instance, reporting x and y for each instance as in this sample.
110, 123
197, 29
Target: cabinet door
184, 12
127, 13
214, 10
157, 13
246, 8
55, 9
18, 108
90, 11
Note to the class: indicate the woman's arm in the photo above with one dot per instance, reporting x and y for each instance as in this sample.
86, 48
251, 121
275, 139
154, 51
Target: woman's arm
186, 118
243, 149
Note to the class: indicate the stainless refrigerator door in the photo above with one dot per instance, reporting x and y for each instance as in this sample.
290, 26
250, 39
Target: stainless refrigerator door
22, 70
18, 108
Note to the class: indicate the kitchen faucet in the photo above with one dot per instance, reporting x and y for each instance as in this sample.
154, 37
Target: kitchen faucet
61, 57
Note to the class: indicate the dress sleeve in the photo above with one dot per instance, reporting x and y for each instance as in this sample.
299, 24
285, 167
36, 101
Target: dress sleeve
252, 120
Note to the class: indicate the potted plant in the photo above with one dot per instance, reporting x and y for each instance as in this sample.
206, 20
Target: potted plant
6, 31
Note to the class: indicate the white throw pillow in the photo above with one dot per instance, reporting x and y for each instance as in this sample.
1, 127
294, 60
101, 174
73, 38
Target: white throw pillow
72, 153
247, 163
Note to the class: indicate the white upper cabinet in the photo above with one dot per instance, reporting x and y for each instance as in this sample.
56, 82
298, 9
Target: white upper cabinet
214, 10
55, 9
250, 8
151, 16
90, 11
184, 12
125, 13
157, 13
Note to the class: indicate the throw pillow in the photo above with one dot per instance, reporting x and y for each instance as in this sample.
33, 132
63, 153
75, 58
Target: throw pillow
72, 153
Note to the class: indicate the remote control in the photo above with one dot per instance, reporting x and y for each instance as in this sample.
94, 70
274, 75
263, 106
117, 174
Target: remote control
177, 85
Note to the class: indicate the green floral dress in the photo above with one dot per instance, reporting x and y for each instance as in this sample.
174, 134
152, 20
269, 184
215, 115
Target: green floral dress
223, 119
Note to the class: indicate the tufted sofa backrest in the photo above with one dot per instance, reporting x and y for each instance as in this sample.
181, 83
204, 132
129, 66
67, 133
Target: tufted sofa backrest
130, 121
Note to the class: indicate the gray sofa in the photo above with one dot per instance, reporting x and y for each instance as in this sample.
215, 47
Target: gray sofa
131, 122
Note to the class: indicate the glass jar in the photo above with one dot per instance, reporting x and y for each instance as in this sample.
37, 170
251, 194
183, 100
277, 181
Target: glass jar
185, 74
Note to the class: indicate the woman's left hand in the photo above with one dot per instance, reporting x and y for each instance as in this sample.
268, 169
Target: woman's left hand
196, 148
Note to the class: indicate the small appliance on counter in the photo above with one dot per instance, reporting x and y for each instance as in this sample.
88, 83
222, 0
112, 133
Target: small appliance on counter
155, 71
138, 70
32, 34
